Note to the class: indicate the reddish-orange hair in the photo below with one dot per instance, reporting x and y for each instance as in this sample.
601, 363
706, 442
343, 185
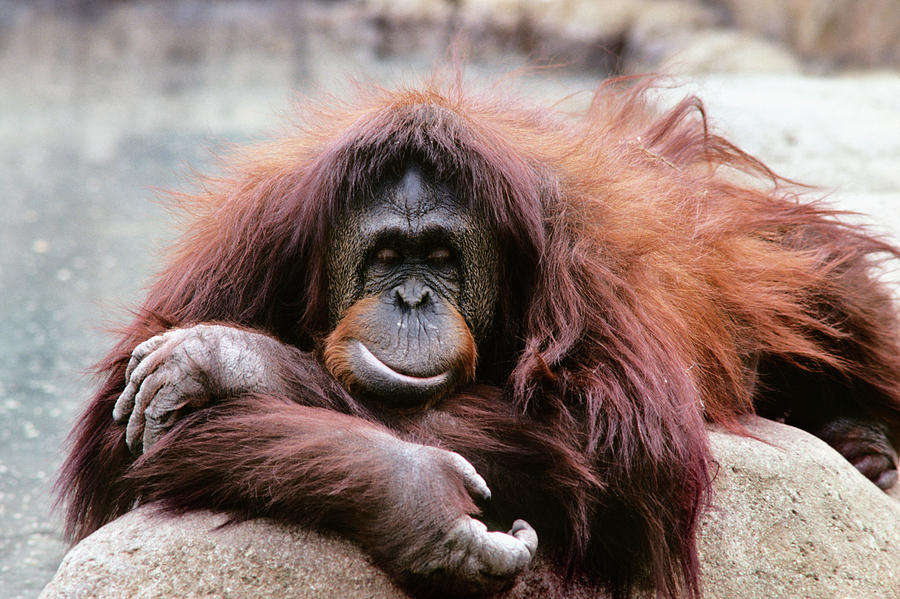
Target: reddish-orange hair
649, 267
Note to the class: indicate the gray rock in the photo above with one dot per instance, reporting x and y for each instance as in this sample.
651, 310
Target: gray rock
837, 32
790, 518
715, 50
146, 554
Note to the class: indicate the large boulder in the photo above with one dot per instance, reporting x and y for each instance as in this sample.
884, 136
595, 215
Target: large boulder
146, 554
790, 518
834, 32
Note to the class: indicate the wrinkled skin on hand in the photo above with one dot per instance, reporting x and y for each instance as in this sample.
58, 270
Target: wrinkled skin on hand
483, 562
185, 368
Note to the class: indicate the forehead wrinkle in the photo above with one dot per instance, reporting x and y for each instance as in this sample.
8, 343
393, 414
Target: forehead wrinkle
411, 205
395, 228
414, 219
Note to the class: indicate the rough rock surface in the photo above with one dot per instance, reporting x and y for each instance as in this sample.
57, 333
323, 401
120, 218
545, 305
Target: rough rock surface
734, 35
791, 519
842, 32
145, 554
634, 36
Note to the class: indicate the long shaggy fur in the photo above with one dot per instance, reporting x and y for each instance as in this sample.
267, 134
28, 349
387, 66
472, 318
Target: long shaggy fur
652, 274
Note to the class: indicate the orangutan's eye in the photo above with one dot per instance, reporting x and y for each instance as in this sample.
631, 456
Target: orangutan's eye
387, 257
440, 256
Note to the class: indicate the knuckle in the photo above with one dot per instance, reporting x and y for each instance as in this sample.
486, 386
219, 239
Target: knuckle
121, 409
155, 411
459, 462
191, 348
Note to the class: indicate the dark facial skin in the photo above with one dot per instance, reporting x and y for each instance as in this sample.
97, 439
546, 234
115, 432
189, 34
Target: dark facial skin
417, 268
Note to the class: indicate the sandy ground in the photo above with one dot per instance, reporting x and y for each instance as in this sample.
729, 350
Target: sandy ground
84, 143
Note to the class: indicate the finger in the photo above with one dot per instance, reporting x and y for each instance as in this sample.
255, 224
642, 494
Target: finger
133, 401
475, 484
134, 432
148, 364
526, 534
170, 398
156, 427
491, 555
124, 403
173, 396
505, 555
142, 351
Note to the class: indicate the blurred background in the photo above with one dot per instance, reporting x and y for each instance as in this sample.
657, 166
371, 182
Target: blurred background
103, 103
